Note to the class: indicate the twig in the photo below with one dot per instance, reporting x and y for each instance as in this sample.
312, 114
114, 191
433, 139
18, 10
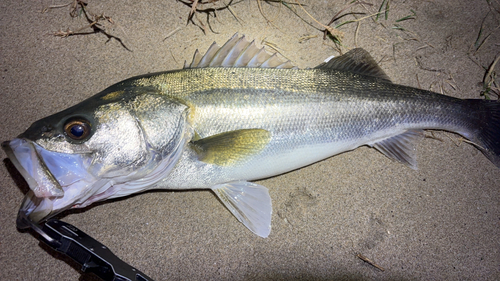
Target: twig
172, 33
55, 7
370, 262
265, 17
334, 18
193, 8
461, 139
232, 12
306, 38
489, 80
78, 7
333, 31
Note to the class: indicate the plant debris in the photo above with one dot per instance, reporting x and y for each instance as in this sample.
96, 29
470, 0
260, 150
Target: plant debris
490, 85
370, 262
198, 7
96, 22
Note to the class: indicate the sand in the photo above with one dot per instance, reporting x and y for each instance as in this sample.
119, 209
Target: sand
441, 222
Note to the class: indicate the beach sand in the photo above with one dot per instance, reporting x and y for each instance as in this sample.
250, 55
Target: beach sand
441, 222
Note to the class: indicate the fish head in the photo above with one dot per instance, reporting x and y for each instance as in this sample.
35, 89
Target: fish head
110, 145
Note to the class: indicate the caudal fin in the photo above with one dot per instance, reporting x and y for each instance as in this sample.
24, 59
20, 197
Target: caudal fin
487, 129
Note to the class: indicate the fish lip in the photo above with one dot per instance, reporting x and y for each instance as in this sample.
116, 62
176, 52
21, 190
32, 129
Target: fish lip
23, 221
12, 157
22, 215
28, 214
33, 208
26, 158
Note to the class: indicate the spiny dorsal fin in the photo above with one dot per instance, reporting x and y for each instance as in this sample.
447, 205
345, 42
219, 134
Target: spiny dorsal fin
357, 61
237, 52
401, 147
228, 148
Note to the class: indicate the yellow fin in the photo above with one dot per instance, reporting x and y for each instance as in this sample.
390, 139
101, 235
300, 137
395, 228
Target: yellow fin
196, 137
228, 148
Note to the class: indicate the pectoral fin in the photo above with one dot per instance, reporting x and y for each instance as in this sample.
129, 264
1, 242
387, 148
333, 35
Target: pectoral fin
250, 203
231, 147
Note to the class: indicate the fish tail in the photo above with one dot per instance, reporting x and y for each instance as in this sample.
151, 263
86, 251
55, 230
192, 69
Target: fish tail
485, 131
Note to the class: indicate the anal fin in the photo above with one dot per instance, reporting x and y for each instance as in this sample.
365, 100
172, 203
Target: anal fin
250, 203
401, 147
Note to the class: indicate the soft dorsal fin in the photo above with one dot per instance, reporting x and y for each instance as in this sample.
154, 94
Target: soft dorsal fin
228, 148
357, 61
237, 52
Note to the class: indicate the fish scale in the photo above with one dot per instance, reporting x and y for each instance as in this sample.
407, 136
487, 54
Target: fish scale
334, 107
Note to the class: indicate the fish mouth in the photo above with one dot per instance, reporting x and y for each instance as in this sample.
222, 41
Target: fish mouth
34, 209
49, 180
63, 180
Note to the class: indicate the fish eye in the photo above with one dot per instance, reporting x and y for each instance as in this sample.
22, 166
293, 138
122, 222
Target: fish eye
77, 128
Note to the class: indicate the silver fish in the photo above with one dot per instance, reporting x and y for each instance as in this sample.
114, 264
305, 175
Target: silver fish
234, 115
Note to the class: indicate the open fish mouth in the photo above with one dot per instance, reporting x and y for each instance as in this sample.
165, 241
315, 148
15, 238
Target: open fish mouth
35, 209
49, 178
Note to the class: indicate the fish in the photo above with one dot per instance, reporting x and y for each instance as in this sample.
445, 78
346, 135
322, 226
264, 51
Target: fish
232, 116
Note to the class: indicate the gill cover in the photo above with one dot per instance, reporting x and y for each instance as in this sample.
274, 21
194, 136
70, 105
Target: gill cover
113, 144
